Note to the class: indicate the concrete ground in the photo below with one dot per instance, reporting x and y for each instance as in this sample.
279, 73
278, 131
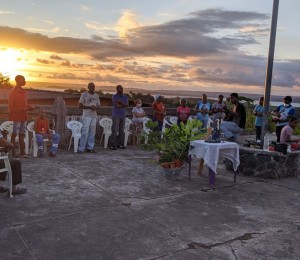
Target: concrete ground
118, 205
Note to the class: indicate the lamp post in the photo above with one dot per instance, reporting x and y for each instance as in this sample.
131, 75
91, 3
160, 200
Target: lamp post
268, 81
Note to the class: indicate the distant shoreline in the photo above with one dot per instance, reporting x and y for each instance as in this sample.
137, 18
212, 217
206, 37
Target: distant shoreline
168, 93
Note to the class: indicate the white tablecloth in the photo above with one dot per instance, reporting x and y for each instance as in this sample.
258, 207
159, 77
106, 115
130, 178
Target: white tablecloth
210, 152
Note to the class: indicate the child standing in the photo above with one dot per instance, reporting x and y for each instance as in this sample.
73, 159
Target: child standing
137, 119
183, 112
258, 112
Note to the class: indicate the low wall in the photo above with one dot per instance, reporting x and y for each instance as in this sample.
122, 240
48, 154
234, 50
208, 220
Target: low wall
270, 165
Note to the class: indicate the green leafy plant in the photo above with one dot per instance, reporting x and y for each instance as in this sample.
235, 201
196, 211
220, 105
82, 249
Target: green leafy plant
175, 141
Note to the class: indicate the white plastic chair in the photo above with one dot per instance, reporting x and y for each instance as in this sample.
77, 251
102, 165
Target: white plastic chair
106, 124
165, 124
8, 126
210, 123
75, 127
145, 128
7, 169
173, 120
127, 130
34, 145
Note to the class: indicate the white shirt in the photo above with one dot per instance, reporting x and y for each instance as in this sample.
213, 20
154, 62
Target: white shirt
88, 99
138, 110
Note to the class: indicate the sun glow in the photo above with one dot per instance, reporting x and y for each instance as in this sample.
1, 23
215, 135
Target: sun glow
11, 62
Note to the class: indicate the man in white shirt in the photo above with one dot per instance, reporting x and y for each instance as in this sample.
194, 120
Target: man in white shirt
89, 101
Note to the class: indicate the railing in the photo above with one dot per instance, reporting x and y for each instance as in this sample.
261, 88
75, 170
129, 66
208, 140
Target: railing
58, 122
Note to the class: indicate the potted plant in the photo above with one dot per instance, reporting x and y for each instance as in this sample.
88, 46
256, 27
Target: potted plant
173, 147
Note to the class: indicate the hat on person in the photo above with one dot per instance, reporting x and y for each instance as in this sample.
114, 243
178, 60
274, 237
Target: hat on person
156, 97
183, 99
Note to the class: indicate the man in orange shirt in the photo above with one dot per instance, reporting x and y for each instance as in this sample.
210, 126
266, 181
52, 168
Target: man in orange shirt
18, 108
159, 111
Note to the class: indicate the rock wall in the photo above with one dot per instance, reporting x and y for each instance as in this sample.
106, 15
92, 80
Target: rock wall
271, 165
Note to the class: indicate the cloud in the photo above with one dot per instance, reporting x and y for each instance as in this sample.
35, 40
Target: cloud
127, 22
55, 57
192, 36
96, 26
84, 8
40, 20
42, 30
65, 76
43, 61
66, 63
3, 12
206, 45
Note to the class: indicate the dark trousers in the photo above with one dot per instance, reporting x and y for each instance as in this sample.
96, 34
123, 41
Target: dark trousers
16, 171
278, 132
117, 126
258, 132
160, 124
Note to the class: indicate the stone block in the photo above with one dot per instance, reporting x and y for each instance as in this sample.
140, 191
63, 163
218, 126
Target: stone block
263, 158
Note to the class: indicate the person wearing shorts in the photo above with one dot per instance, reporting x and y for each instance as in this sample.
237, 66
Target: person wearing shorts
18, 107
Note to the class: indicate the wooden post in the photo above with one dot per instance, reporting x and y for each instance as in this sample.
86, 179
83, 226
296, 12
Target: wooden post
59, 110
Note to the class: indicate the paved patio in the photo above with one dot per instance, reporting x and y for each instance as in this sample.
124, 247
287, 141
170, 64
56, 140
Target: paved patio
118, 205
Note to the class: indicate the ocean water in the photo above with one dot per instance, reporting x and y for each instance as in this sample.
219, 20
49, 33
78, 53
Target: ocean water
279, 103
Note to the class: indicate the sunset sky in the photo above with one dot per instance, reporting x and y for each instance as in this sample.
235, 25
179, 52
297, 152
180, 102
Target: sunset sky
204, 45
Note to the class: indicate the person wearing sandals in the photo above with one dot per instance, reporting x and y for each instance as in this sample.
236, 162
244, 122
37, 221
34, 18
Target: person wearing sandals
41, 127
18, 107
15, 168
137, 120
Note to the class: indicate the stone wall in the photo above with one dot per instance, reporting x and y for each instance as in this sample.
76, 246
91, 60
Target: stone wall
270, 165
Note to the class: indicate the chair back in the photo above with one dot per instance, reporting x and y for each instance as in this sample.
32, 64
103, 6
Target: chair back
75, 127
30, 127
145, 121
8, 127
128, 123
210, 123
173, 120
106, 123
165, 125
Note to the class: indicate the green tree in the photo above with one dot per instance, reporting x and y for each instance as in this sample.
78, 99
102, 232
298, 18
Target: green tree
71, 91
4, 81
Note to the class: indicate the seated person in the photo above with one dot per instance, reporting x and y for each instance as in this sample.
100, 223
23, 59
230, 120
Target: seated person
235, 120
15, 168
203, 109
287, 132
41, 128
137, 120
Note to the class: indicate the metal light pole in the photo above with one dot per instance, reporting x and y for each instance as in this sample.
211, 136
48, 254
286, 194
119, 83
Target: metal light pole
268, 81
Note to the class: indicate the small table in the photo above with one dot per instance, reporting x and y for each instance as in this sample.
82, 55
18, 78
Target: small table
210, 153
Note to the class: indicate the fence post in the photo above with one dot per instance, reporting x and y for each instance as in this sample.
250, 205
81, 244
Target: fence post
59, 110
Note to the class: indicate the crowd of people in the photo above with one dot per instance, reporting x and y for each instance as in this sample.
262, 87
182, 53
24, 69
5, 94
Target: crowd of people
232, 120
